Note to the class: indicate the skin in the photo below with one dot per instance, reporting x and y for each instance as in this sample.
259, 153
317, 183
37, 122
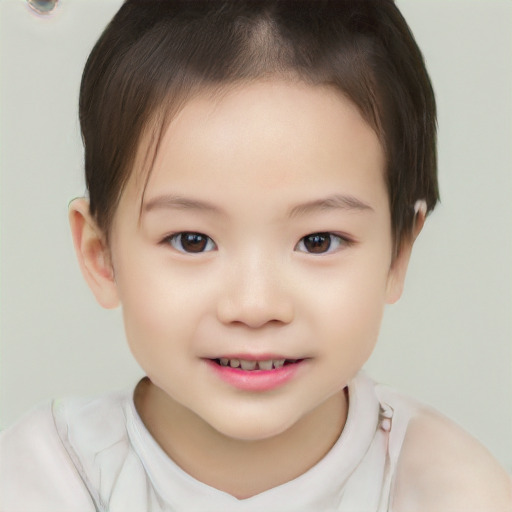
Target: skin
265, 169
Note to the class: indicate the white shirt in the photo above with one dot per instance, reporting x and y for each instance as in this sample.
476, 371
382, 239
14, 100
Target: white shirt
96, 455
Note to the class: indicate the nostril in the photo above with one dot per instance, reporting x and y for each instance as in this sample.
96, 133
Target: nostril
255, 312
43, 6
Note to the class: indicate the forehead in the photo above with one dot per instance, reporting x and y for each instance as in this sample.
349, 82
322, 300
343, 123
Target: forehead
285, 133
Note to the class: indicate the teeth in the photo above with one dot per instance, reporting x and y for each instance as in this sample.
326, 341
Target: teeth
248, 365
265, 365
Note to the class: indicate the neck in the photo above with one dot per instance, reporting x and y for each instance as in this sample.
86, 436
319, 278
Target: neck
239, 467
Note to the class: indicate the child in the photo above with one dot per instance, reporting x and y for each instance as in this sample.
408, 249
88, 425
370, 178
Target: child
257, 175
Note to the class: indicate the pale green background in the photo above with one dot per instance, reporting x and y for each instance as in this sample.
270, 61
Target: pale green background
448, 342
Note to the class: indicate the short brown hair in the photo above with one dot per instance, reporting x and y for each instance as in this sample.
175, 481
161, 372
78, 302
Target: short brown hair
155, 53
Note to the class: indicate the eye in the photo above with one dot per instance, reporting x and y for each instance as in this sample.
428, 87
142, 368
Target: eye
321, 243
190, 242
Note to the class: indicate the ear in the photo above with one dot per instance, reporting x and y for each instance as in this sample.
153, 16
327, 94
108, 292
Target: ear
398, 269
93, 254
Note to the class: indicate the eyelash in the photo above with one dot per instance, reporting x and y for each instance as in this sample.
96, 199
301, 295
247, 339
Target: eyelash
177, 238
208, 245
340, 242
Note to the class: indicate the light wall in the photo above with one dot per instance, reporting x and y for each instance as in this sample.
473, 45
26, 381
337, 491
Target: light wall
448, 342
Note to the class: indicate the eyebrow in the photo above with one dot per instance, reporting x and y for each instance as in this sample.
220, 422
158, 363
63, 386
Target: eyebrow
333, 202
177, 202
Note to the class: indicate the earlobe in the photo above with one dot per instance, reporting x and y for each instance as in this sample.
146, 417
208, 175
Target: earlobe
397, 272
93, 254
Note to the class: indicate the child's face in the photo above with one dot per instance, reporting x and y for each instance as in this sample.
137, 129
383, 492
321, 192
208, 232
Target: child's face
256, 172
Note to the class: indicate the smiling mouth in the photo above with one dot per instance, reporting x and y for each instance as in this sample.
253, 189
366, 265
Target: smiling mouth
251, 365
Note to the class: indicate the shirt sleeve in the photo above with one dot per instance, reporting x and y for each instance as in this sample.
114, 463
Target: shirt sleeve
36, 473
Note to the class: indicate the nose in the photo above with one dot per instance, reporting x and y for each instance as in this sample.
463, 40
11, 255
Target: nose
255, 294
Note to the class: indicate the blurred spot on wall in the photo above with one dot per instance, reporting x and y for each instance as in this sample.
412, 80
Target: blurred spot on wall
43, 6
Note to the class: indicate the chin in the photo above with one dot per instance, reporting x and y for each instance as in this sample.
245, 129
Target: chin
251, 429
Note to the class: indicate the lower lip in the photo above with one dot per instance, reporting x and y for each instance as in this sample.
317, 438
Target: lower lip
256, 380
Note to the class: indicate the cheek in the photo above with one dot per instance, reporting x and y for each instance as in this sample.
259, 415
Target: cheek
351, 308
160, 308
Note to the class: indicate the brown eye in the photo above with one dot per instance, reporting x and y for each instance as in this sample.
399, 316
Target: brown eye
320, 243
189, 242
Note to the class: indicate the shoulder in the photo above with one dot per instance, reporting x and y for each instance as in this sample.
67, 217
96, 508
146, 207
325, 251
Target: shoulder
59, 455
36, 473
441, 467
